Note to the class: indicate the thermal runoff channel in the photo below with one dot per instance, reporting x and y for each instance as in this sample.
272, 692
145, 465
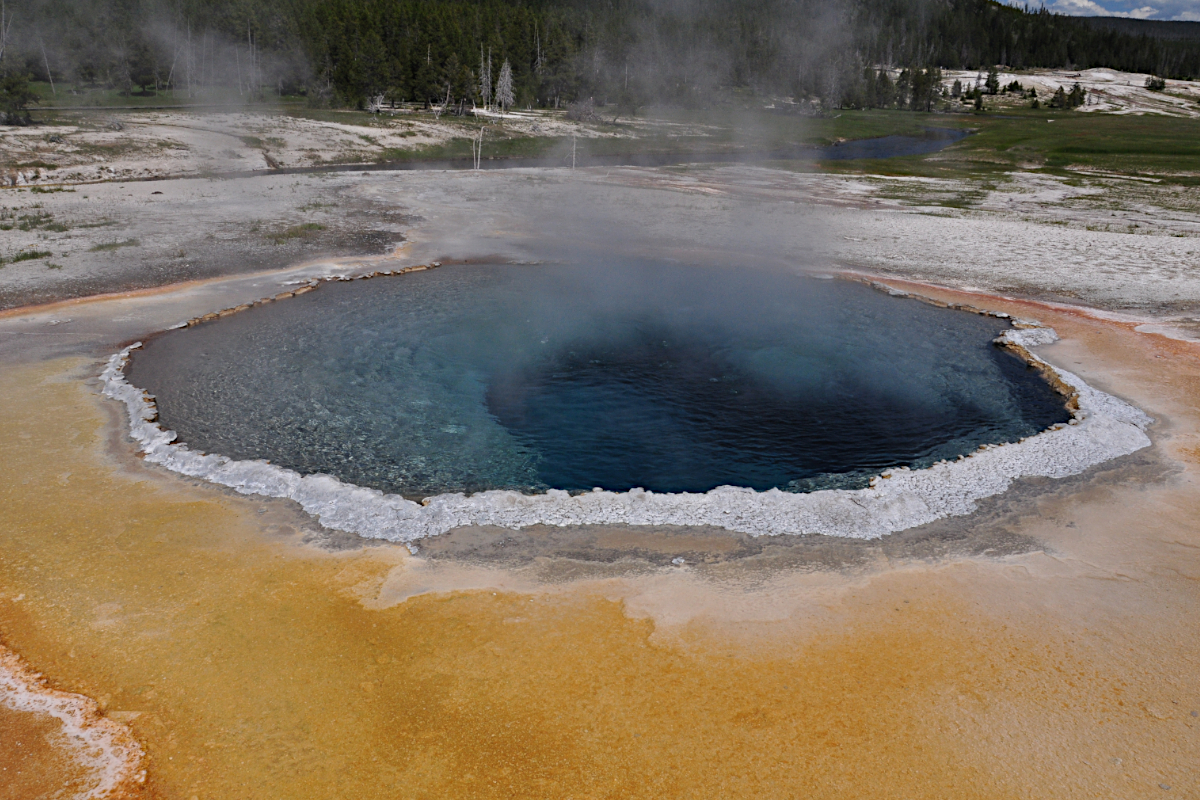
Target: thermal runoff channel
614, 375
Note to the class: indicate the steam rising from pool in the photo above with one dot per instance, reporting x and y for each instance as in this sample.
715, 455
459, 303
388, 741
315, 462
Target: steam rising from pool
638, 374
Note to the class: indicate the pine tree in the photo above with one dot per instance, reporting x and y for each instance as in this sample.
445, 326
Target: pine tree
1077, 97
885, 91
504, 87
15, 97
903, 88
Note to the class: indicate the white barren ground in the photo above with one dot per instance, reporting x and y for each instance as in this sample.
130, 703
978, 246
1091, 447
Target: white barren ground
1108, 90
92, 146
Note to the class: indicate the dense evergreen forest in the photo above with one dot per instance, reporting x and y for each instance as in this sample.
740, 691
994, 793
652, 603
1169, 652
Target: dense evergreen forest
624, 52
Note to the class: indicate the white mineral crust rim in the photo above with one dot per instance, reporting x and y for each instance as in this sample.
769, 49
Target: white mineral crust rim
1102, 428
105, 748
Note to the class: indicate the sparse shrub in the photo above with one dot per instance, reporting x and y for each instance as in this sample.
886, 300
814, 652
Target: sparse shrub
30, 255
107, 246
1155, 83
38, 219
297, 232
15, 97
583, 111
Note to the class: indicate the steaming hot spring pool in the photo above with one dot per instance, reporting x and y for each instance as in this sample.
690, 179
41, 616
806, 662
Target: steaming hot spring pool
640, 374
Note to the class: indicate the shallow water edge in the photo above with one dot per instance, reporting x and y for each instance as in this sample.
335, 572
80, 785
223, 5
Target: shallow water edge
1102, 428
112, 760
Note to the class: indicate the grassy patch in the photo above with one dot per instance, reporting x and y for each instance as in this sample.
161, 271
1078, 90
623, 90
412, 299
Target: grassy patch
31, 222
362, 118
35, 165
262, 142
107, 246
76, 94
27, 255
50, 190
297, 232
1025, 139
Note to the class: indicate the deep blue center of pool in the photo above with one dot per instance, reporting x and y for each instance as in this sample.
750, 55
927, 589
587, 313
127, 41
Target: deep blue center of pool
639, 374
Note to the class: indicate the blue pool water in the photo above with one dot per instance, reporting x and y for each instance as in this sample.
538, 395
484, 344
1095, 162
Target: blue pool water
634, 374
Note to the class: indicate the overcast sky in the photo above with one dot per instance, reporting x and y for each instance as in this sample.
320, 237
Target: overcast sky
1138, 9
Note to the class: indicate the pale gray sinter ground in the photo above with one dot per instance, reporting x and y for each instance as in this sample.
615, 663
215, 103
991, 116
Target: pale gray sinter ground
200, 228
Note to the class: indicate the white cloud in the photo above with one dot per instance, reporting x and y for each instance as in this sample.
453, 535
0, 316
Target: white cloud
1080, 8
1176, 10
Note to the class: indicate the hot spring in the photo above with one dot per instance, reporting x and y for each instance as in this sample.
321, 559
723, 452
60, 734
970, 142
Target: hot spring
639, 374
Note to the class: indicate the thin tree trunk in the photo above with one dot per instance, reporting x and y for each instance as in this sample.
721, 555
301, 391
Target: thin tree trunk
46, 61
6, 21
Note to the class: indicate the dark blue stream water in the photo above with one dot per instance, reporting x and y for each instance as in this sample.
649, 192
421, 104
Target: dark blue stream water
666, 377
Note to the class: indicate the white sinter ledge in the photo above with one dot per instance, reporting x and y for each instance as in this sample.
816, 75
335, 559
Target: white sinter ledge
1102, 428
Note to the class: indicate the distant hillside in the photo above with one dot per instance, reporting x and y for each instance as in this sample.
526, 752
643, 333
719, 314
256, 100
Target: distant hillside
622, 52
1156, 29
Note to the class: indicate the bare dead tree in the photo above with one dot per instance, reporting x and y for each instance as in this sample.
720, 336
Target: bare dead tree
438, 113
251, 76
174, 51
504, 87
485, 77
477, 148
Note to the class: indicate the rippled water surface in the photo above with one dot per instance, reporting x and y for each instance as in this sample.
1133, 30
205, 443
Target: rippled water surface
647, 374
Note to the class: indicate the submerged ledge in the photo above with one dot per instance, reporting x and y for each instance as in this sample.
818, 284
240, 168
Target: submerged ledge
1102, 428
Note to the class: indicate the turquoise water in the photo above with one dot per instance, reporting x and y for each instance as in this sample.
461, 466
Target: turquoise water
632, 374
